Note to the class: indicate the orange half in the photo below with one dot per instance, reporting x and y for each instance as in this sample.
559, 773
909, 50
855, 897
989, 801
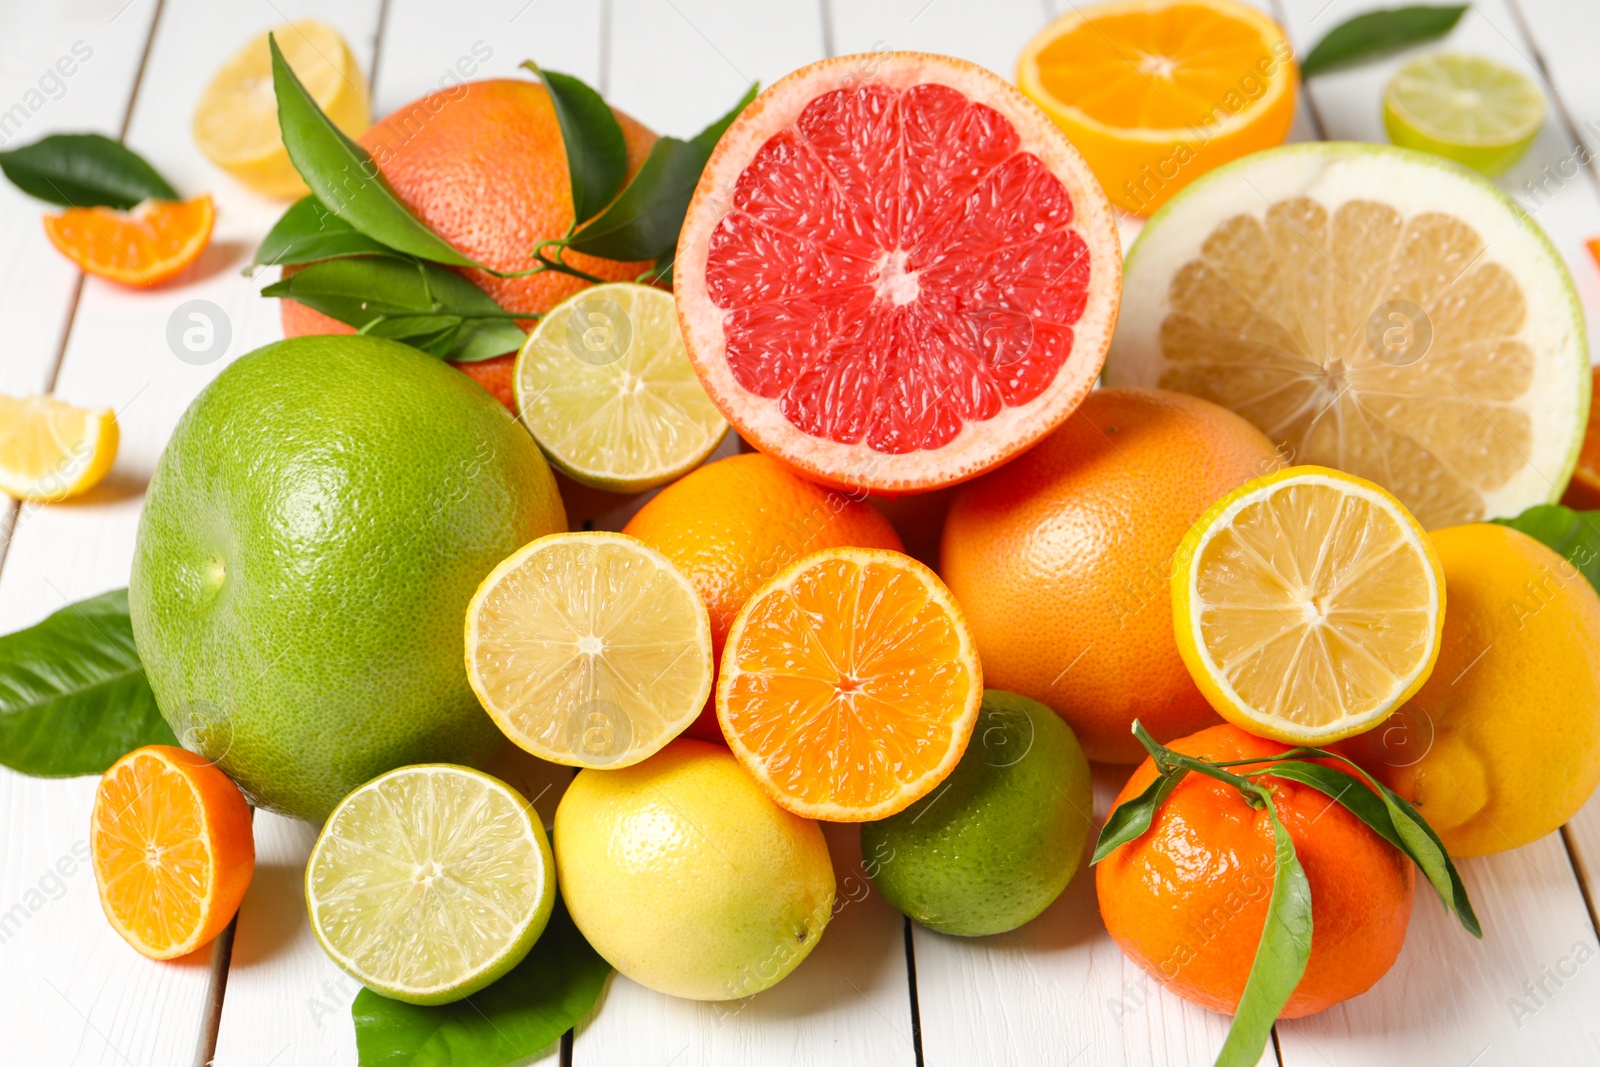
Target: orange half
142, 247
172, 849
1154, 93
850, 684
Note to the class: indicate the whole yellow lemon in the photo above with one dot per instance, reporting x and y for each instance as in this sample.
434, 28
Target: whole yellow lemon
687, 878
1502, 744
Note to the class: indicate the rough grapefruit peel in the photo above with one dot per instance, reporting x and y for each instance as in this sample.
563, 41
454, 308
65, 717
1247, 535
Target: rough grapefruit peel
896, 272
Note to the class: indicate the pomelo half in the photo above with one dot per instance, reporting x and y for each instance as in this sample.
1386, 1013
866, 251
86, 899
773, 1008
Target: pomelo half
1371, 309
896, 272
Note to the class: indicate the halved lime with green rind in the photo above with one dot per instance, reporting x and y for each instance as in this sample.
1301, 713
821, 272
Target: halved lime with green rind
606, 388
430, 882
1463, 107
1466, 107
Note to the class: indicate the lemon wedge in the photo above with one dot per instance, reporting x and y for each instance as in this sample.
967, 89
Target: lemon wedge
50, 450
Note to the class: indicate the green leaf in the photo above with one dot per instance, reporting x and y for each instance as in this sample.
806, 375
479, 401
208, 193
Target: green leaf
1280, 957
344, 177
73, 695
643, 222
1378, 33
532, 1006
597, 155
1130, 819
1397, 822
423, 304
308, 233
84, 170
1574, 534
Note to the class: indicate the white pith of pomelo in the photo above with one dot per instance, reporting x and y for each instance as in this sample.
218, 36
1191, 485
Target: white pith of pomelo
980, 443
1484, 422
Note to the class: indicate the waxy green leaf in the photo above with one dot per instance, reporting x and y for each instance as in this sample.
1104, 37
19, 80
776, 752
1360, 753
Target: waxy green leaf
422, 304
308, 233
1391, 818
643, 222
597, 155
1281, 955
1574, 534
73, 694
1379, 33
84, 170
1132, 818
344, 177
508, 1023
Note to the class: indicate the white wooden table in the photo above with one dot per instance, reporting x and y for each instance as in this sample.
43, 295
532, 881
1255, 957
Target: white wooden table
877, 991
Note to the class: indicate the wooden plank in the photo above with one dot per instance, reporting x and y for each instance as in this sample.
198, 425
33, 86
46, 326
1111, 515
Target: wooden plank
1449, 998
1525, 994
1563, 35
63, 68
70, 989
1058, 990
104, 1003
676, 66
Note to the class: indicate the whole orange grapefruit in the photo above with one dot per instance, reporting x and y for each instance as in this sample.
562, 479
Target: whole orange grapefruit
484, 165
1061, 560
1187, 901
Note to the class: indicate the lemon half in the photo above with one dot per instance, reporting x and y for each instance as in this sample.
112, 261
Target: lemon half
1307, 605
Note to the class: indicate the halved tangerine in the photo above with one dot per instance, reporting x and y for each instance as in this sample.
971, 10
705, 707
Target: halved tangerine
142, 247
171, 843
850, 684
896, 272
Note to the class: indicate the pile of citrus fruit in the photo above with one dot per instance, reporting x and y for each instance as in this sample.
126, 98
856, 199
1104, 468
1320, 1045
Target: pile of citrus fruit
1264, 537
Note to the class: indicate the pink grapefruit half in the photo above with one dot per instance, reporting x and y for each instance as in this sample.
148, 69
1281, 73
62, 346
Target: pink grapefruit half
896, 272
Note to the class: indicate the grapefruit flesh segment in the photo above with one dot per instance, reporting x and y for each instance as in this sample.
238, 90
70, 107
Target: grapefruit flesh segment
896, 265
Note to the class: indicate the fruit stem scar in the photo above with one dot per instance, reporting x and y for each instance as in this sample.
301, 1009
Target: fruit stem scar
216, 572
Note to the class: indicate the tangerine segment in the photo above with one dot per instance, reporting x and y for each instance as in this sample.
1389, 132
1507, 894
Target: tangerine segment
142, 247
1308, 605
172, 849
850, 684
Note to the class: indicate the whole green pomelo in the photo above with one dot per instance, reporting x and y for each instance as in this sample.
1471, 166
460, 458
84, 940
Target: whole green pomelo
994, 844
314, 530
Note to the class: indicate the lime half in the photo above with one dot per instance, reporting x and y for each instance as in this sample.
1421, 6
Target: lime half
1463, 107
606, 388
430, 882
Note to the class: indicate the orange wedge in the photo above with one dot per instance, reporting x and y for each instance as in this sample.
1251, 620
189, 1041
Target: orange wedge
1154, 93
142, 247
850, 684
172, 850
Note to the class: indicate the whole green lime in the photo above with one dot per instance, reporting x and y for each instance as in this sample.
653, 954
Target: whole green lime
313, 532
1001, 837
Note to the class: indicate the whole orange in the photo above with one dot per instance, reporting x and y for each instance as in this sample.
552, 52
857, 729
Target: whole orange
484, 165
1061, 560
1187, 901
732, 525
